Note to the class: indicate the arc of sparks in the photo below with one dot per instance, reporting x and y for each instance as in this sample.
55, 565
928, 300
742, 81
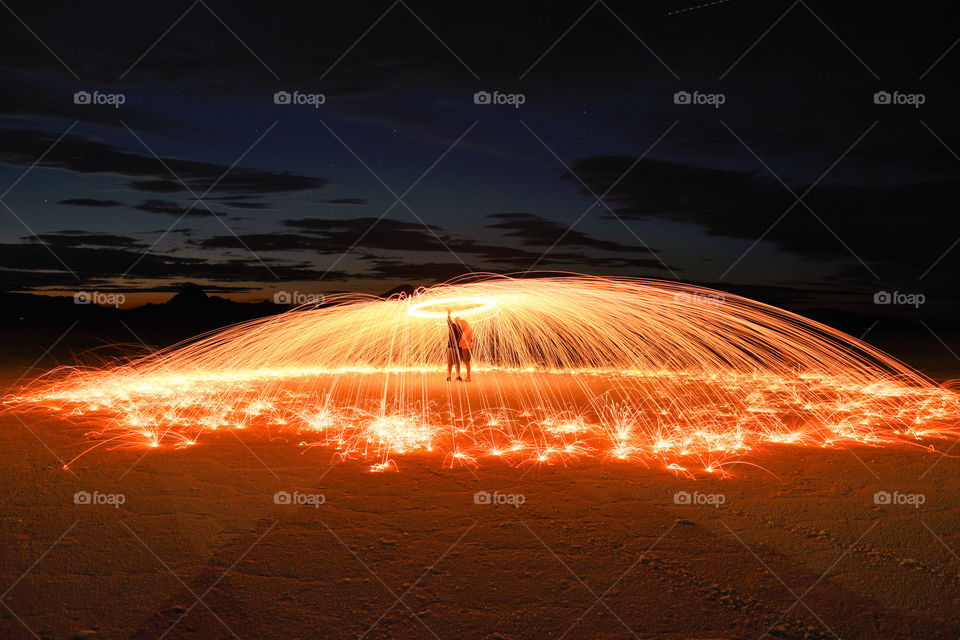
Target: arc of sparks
565, 367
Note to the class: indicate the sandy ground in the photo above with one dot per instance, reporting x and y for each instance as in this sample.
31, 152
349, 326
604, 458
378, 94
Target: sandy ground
200, 548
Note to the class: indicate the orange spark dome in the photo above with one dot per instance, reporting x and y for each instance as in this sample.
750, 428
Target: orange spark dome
563, 368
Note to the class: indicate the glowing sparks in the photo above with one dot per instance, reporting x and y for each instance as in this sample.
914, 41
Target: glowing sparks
563, 367
702, 5
460, 306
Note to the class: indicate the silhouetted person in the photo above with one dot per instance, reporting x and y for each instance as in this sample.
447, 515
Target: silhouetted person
454, 335
465, 344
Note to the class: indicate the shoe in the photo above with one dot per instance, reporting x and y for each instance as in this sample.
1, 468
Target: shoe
448, 378
467, 380
459, 379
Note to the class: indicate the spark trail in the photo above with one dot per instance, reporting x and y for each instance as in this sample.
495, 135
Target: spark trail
564, 368
697, 7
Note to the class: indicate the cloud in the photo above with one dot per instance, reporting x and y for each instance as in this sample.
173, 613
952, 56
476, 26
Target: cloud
334, 236
441, 271
339, 234
28, 94
237, 201
416, 272
267, 242
246, 205
347, 201
369, 237
28, 279
80, 154
899, 226
91, 202
534, 230
73, 238
169, 208
103, 263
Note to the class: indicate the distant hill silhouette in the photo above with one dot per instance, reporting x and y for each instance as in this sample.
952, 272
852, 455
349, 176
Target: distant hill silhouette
191, 305
31, 323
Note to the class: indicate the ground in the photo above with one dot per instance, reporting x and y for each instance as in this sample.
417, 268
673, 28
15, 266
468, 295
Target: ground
793, 544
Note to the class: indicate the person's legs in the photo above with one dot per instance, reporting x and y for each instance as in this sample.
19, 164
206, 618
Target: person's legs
453, 357
465, 356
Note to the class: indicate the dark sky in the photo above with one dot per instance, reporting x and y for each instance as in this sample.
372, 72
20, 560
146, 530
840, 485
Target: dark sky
798, 183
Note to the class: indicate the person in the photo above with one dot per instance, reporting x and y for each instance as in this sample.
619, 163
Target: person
454, 335
465, 344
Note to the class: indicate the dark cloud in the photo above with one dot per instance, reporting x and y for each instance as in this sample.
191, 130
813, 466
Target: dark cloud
73, 238
80, 154
441, 271
246, 205
336, 235
368, 237
333, 236
347, 201
100, 264
169, 208
327, 236
267, 242
536, 231
91, 202
416, 272
178, 286
47, 97
230, 197
238, 201
30, 279
900, 226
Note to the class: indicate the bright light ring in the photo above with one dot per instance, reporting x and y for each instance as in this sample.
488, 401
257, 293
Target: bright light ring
479, 305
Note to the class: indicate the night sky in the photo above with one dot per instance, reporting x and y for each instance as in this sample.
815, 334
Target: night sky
797, 189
